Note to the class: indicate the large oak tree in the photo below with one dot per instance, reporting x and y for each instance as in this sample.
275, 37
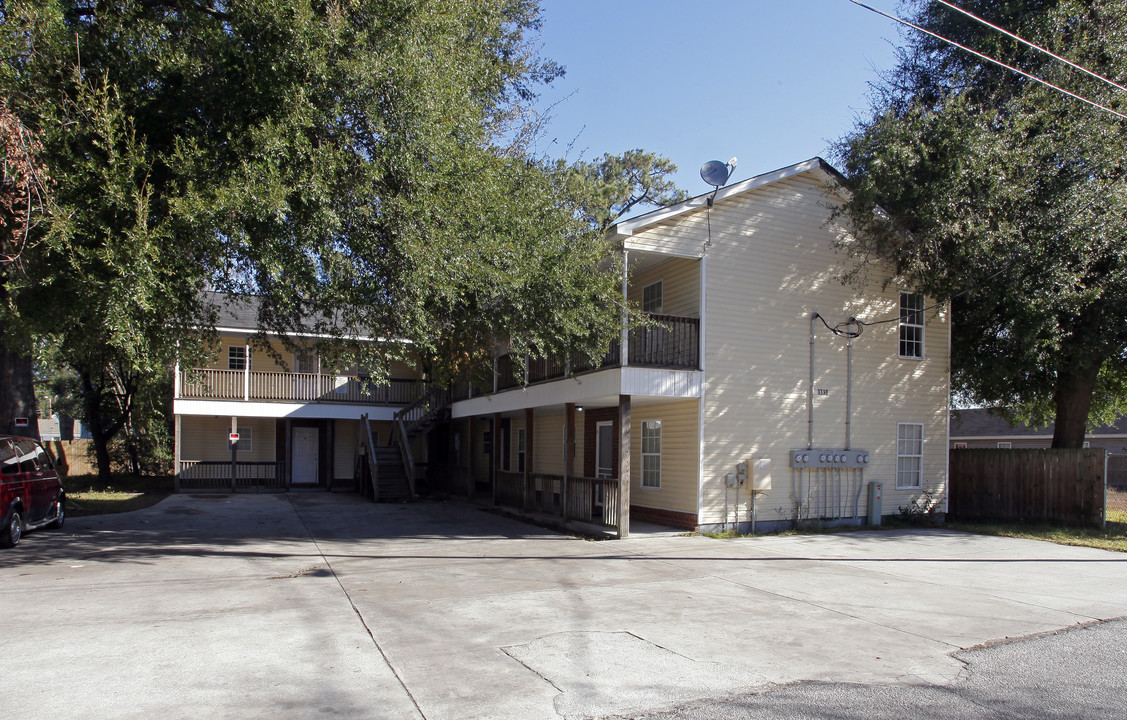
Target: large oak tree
1009, 199
362, 166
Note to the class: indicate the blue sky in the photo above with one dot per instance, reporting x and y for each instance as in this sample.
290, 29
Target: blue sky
773, 82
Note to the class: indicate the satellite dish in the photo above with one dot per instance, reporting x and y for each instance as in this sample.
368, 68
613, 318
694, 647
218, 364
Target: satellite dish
715, 173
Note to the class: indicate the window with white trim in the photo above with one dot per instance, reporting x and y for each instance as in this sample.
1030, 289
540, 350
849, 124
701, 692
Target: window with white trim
237, 357
246, 439
960, 446
909, 455
911, 325
651, 454
1086, 444
652, 298
1005, 445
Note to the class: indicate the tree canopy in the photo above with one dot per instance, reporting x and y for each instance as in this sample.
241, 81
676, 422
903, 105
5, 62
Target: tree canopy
362, 166
1009, 199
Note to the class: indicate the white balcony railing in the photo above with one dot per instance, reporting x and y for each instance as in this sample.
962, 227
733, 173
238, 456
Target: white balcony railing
256, 386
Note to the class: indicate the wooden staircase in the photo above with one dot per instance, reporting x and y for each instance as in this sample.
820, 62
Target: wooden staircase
379, 469
388, 473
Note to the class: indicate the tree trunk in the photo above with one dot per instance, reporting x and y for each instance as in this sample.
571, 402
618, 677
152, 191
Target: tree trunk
17, 393
1073, 400
92, 399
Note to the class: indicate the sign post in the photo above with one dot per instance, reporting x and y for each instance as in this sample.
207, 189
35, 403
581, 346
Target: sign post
233, 438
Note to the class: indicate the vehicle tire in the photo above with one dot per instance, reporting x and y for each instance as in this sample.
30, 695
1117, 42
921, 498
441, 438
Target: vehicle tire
12, 531
60, 513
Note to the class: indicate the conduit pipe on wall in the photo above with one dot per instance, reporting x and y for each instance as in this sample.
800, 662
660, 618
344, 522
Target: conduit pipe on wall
848, 386
810, 390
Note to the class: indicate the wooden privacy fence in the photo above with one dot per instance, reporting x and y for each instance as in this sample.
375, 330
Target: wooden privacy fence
1065, 486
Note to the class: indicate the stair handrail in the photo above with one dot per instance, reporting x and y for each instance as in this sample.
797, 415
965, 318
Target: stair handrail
369, 445
432, 401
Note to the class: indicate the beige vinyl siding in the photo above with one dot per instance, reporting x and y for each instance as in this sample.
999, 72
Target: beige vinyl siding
770, 266
680, 286
548, 443
346, 436
204, 438
679, 455
262, 360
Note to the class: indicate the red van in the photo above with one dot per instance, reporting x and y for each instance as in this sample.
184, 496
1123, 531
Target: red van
31, 495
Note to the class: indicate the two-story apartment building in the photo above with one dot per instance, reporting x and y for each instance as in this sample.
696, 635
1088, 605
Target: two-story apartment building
743, 380
297, 421
765, 390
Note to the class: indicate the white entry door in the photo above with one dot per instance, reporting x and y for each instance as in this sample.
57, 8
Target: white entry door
304, 459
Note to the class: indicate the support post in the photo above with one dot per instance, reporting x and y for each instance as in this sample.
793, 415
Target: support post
623, 467
495, 465
176, 452
569, 455
528, 457
246, 371
471, 454
234, 455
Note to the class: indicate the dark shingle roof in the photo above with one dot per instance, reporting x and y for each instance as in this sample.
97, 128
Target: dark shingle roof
984, 422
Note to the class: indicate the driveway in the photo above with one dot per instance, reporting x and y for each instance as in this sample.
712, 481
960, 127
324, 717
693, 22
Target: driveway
308, 605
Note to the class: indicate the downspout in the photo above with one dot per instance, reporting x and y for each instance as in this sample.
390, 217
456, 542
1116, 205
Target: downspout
848, 387
810, 389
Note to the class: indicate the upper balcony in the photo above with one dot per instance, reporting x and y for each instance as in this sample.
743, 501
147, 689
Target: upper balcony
672, 344
288, 387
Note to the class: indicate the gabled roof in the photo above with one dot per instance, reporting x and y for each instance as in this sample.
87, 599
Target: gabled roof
239, 314
985, 423
817, 165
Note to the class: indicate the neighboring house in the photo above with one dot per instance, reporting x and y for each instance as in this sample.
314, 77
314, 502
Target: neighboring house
740, 371
982, 428
298, 422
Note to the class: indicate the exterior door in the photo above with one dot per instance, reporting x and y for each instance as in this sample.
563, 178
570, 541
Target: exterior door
305, 459
604, 450
604, 461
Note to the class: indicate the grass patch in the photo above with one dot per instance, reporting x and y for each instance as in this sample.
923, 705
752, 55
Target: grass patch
87, 495
1111, 537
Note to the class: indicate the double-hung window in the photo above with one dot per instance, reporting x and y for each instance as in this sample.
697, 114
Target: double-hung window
652, 300
651, 454
911, 325
237, 357
909, 455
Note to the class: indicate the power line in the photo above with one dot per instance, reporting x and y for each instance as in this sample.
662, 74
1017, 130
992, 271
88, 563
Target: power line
1023, 41
989, 59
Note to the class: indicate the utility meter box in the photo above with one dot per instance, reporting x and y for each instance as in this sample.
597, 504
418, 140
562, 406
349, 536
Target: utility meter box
874, 503
761, 473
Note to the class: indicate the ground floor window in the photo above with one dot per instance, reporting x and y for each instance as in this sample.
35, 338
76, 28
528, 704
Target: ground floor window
909, 455
651, 454
246, 439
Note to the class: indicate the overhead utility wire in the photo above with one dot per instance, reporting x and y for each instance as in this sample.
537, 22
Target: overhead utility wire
989, 59
1023, 41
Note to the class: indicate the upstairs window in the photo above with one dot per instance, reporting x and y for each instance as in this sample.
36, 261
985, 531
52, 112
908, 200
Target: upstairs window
911, 325
651, 298
237, 357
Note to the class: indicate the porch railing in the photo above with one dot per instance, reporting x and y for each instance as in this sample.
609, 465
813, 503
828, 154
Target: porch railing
590, 500
255, 385
216, 475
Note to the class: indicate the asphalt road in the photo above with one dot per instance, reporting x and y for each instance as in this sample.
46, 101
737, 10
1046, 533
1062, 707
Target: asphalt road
1078, 674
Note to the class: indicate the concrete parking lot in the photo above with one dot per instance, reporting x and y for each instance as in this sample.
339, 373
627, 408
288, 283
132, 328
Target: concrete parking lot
308, 605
